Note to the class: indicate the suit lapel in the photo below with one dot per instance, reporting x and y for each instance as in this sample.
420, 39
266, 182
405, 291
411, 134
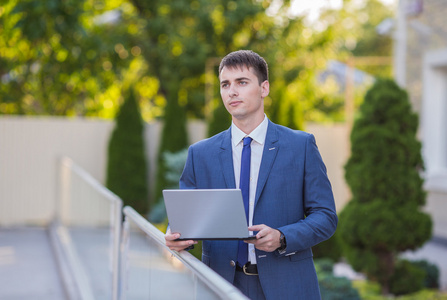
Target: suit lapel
226, 160
271, 148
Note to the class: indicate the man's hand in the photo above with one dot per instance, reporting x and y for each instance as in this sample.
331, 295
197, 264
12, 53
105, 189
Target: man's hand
267, 239
171, 242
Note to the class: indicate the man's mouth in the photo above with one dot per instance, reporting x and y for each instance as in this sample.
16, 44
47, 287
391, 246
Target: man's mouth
234, 102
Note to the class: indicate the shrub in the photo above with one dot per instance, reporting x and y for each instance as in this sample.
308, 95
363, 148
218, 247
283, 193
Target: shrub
328, 249
383, 173
126, 165
174, 163
431, 280
331, 287
221, 120
174, 138
336, 288
425, 294
407, 278
324, 265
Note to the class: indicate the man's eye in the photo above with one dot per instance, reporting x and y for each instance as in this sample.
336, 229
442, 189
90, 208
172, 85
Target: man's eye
243, 82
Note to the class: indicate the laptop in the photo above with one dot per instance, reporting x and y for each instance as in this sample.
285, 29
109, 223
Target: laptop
207, 214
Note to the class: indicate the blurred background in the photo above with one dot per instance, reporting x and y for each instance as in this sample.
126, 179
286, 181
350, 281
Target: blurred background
111, 93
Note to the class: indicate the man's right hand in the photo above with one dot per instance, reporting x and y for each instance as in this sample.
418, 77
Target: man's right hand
171, 242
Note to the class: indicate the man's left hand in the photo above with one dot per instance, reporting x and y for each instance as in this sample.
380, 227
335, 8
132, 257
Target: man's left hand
267, 238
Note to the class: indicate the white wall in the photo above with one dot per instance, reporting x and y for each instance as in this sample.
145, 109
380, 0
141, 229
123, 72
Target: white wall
434, 120
30, 148
333, 143
434, 137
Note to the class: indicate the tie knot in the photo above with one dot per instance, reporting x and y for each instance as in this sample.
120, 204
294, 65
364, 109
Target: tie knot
247, 140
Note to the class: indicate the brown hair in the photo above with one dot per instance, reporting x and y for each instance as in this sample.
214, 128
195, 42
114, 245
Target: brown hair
248, 59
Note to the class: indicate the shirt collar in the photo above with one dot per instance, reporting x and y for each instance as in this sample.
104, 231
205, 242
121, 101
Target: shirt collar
258, 134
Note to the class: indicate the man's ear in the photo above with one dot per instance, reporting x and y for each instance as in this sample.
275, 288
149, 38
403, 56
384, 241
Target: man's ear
265, 86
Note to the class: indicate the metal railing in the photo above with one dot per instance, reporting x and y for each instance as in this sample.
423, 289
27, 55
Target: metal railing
155, 272
87, 231
101, 257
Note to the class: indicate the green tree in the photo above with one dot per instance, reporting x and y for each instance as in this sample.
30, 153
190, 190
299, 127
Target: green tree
58, 59
177, 37
384, 216
72, 58
126, 166
367, 40
221, 120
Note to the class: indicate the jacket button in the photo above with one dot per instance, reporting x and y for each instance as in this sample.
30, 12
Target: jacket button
232, 263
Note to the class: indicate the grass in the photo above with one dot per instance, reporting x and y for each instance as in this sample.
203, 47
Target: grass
371, 291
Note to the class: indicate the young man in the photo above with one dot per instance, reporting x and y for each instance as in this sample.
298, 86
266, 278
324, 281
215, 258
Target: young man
283, 179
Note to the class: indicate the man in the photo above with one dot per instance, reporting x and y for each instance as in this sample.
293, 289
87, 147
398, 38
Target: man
290, 203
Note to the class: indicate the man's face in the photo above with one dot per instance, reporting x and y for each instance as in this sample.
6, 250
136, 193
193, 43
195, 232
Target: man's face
242, 94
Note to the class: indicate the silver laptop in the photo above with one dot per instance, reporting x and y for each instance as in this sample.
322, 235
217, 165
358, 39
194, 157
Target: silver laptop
207, 214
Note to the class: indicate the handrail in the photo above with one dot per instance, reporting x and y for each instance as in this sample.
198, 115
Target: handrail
73, 180
115, 224
109, 195
214, 281
68, 256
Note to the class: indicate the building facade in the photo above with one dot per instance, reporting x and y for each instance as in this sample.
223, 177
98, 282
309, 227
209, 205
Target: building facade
420, 60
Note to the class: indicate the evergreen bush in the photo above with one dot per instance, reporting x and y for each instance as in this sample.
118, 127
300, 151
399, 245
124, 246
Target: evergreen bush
174, 163
329, 248
407, 278
221, 120
332, 287
384, 216
337, 288
431, 280
174, 138
324, 265
126, 165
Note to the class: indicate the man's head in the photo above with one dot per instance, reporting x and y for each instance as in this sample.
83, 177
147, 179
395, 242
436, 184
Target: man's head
250, 60
243, 87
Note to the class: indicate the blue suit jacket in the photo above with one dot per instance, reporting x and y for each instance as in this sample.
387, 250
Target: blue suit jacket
293, 195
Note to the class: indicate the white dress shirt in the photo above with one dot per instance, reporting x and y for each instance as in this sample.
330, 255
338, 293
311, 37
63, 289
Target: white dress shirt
257, 147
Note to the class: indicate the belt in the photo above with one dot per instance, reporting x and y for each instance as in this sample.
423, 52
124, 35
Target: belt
248, 269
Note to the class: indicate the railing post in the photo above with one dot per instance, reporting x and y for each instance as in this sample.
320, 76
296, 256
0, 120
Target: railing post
124, 248
64, 190
115, 228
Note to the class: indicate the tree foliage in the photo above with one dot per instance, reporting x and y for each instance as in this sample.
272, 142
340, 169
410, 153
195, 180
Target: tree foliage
384, 216
177, 37
126, 165
59, 58
75, 57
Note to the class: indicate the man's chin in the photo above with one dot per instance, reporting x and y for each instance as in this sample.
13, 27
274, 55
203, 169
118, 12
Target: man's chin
238, 115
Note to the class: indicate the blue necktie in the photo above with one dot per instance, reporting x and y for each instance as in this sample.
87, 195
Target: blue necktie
244, 185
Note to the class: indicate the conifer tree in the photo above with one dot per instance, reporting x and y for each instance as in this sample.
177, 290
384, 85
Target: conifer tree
174, 138
384, 216
221, 120
126, 166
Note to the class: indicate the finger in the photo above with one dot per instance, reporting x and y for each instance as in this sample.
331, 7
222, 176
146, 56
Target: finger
264, 232
171, 237
256, 227
180, 245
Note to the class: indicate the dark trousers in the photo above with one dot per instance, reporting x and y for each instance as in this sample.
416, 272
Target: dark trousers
249, 285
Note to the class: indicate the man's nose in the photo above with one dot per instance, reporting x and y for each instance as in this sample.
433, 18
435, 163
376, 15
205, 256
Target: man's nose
232, 91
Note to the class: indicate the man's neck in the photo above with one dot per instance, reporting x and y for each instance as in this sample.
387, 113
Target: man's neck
248, 125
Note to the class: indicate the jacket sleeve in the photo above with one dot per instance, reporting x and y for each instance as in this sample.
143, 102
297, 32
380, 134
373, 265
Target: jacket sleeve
320, 219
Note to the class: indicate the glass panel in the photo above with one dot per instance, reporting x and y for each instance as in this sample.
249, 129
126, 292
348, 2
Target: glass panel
152, 273
88, 215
